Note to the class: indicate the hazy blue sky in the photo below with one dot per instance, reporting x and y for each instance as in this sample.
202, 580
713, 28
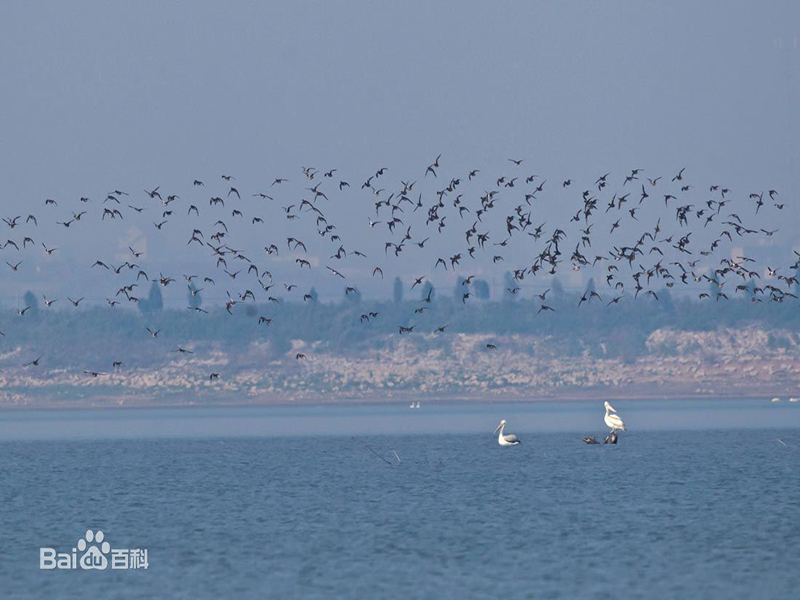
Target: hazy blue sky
103, 95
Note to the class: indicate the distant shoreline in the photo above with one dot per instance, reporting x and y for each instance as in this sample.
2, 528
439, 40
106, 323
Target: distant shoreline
726, 363
144, 403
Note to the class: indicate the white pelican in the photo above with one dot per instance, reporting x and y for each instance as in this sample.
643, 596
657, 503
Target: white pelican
613, 421
793, 399
505, 439
776, 399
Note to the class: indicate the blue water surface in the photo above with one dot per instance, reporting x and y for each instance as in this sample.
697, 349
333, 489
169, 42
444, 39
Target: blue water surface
700, 499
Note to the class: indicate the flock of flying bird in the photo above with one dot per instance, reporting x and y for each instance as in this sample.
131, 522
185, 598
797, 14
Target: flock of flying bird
506, 219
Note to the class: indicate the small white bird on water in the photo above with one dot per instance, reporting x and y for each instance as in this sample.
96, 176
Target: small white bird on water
613, 421
505, 439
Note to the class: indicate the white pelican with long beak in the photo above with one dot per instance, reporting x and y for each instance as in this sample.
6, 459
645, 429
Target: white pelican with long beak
613, 421
505, 439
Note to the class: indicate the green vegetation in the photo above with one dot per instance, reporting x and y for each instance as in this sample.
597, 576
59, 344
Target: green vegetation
70, 336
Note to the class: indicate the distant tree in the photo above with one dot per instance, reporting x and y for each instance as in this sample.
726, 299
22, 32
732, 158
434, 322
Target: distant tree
154, 301
750, 289
713, 289
666, 301
460, 289
428, 287
509, 283
397, 293
29, 299
558, 289
481, 287
314, 295
193, 296
590, 286
797, 281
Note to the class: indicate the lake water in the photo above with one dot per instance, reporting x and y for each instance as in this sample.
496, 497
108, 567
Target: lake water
700, 499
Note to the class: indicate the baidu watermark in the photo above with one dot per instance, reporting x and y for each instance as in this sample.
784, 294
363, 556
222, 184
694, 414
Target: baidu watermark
93, 552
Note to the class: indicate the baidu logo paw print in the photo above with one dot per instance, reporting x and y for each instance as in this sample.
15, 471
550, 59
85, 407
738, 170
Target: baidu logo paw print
94, 550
